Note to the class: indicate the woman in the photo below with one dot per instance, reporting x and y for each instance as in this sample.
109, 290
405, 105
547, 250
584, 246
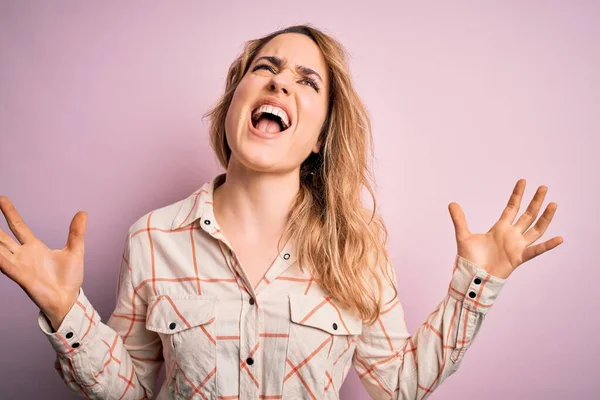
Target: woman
271, 280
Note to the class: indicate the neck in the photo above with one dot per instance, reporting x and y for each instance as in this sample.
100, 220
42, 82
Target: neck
255, 204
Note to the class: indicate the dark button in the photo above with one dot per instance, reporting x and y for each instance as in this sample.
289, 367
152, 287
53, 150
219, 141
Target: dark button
251, 301
334, 326
207, 222
172, 325
472, 295
286, 256
75, 345
477, 281
69, 335
249, 361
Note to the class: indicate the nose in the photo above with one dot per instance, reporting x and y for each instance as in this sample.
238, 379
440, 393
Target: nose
279, 84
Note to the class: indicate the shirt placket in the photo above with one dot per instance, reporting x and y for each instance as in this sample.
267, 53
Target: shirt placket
251, 317
250, 326
252, 323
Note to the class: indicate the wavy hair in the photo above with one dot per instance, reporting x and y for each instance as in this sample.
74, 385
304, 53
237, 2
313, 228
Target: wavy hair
336, 238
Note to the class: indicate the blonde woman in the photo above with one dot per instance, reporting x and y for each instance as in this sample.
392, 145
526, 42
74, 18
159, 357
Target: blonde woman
271, 280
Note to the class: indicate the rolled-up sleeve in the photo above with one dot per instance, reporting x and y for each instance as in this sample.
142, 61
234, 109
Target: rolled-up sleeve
392, 364
116, 360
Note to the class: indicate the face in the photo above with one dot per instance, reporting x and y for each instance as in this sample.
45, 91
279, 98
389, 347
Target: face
279, 107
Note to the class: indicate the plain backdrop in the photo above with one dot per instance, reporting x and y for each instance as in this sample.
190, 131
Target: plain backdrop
101, 108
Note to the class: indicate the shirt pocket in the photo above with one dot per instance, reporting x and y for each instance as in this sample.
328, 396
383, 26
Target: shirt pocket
321, 333
187, 327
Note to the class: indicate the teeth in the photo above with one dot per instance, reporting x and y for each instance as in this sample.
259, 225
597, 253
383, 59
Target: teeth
274, 110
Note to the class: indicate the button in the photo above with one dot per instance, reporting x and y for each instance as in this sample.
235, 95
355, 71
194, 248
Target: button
286, 256
251, 301
477, 281
172, 325
69, 335
472, 295
207, 222
249, 361
75, 345
334, 326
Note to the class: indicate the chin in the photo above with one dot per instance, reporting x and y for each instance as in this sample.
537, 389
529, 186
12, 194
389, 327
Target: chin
256, 158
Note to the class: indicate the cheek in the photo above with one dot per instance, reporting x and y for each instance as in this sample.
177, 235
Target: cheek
315, 111
235, 112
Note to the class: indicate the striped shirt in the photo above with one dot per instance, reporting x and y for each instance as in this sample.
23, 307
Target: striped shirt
184, 300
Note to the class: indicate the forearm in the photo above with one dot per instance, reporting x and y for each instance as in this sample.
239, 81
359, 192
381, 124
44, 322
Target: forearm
92, 359
394, 364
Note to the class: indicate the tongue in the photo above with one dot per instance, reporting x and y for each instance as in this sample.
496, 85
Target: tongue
267, 125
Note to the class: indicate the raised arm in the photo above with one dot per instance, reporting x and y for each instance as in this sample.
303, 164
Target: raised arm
392, 364
116, 360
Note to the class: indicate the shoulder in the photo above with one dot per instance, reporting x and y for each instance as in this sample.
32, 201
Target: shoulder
160, 218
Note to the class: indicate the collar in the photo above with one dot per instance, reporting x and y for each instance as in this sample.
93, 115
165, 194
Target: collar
199, 206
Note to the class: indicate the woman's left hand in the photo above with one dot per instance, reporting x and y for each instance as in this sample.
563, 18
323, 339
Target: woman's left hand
506, 246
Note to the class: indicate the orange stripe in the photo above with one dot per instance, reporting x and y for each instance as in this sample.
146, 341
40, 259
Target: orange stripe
289, 278
444, 356
227, 337
294, 368
307, 359
191, 209
283, 335
198, 288
141, 318
373, 377
314, 310
177, 230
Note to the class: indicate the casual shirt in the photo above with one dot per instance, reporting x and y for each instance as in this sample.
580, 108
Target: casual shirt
184, 299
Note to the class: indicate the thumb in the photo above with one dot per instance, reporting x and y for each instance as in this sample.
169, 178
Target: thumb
461, 229
77, 232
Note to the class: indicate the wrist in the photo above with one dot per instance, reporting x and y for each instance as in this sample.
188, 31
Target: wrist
56, 315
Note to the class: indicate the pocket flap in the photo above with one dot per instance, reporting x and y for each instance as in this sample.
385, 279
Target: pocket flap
324, 313
171, 314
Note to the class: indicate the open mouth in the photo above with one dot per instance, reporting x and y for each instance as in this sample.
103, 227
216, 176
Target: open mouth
270, 119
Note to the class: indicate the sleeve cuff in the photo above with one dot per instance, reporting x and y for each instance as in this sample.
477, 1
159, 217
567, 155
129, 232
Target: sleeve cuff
78, 327
474, 286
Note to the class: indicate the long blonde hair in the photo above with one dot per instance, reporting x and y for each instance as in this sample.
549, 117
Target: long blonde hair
335, 237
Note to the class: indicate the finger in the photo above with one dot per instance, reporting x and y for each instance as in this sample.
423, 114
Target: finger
514, 202
542, 224
461, 229
77, 232
525, 221
8, 242
534, 251
7, 267
15, 222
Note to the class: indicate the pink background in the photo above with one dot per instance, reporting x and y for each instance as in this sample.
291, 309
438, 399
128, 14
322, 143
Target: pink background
101, 110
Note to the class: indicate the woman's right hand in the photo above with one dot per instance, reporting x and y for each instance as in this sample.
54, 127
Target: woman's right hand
51, 278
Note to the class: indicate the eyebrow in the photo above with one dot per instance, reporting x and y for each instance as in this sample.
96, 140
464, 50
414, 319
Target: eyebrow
278, 62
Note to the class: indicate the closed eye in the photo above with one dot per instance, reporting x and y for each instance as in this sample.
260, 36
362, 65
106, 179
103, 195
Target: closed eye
312, 83
307, 80
263, 66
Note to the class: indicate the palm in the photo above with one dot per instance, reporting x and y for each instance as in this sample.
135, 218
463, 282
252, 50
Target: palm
51, 278
40, 271
506, 246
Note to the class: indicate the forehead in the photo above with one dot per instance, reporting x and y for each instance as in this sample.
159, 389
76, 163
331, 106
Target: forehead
296, 49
